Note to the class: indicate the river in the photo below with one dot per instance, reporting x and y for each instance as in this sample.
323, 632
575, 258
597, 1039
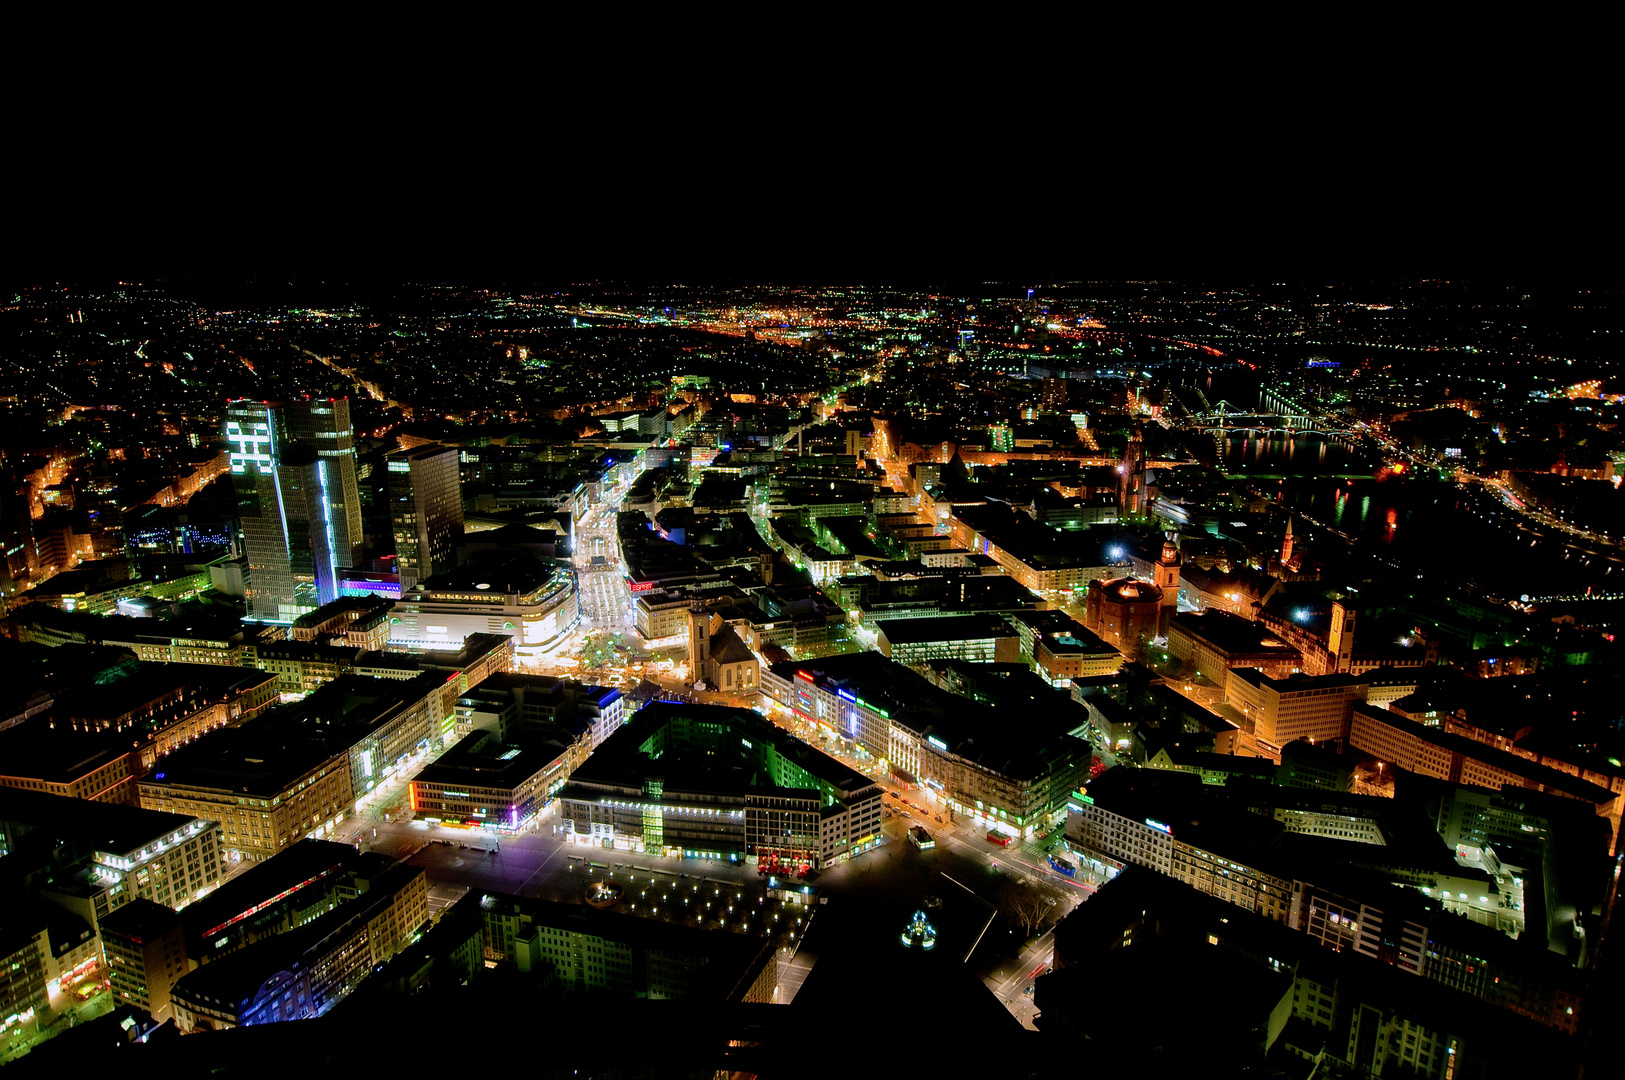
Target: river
1442, 530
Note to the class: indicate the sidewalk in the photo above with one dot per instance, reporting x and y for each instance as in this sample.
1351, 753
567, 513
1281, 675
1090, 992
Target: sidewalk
17, 1046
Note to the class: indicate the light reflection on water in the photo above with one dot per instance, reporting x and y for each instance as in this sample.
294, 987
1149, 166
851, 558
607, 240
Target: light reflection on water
1278, 452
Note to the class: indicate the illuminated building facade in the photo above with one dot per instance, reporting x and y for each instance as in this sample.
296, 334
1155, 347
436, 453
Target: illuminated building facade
425, 511
298, 504
627, 957
23, 949
169, 858
297, 771
498, 785
720, 782
1125, 612
306, 971
1216, 642
960, 637
1315, 707
534, 601
1017, 781
145, 946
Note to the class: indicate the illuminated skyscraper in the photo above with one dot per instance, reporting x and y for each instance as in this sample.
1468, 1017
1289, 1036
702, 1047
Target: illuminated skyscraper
324, 424
425, 511
293, 467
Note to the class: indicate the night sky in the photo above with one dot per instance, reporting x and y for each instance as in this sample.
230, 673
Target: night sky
1075, 179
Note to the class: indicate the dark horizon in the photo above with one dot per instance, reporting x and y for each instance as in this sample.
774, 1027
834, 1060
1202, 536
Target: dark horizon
1488, 189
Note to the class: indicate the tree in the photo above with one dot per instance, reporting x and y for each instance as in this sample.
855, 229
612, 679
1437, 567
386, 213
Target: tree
1025, 904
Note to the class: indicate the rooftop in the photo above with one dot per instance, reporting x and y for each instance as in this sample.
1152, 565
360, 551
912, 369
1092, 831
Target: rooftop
494, 572
1297, 682
37, 751
139, 919
944, 628
630, 755
1231, 634
302, 864
267, 753
479, 760
1017, 742
99, 826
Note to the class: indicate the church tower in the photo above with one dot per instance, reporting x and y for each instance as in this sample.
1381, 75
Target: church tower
1286, 542
1340, 643
1131, 483
699, 641
1166, 578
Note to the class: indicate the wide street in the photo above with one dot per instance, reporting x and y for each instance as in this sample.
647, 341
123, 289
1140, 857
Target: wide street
603, 646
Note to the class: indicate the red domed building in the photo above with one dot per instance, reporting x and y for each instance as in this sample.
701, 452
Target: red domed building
1124, 611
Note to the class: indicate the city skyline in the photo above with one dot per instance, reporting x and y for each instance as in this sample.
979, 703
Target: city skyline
728, 658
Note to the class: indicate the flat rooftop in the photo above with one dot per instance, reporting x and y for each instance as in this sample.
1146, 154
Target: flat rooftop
479, 760
622, 758
109, 827
265, 754
944, 628
304, 863
36, 751
1231, 634
1024, 745
512, 573
1298, 682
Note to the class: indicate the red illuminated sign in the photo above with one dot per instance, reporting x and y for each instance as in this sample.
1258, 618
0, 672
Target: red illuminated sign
639, 586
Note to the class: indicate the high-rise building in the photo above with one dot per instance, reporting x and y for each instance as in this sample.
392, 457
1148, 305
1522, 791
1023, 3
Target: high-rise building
425, 511
1053, 394
324, 424
293, 466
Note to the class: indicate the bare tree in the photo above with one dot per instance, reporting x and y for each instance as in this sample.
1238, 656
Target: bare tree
1023, 903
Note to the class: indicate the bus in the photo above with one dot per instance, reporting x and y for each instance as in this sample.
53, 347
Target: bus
1061, 866
999, 838
920, 838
